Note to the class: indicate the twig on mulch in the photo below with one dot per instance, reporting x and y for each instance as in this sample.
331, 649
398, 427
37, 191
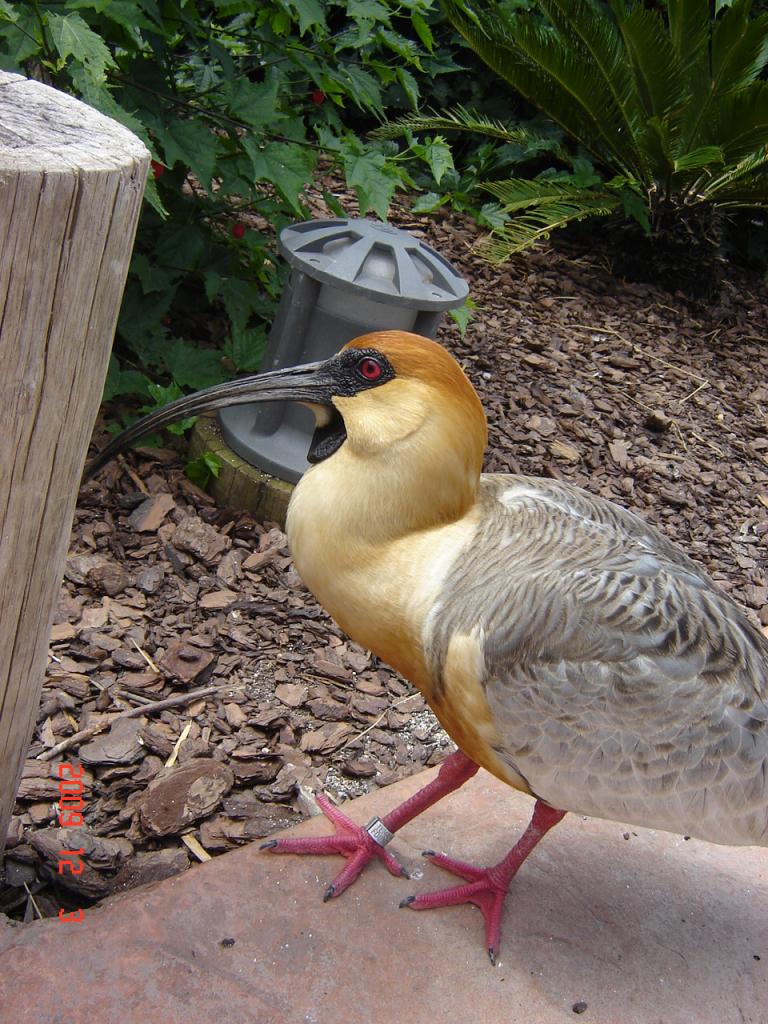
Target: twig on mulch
382, 716
134, 476
143, 709
146, 657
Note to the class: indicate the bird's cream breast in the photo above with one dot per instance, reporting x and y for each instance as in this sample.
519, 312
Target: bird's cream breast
381, 595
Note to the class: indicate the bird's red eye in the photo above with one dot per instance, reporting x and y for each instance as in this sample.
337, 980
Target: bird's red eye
369, 368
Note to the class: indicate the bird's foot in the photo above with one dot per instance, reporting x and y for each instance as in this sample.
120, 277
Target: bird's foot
486, 889
359, 844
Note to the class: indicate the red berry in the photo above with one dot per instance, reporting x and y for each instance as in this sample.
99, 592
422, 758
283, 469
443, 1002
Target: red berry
157, 169
318, 97
238, 230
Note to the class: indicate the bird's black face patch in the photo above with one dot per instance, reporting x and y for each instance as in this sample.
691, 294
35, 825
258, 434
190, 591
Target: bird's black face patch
351, 371
357, 369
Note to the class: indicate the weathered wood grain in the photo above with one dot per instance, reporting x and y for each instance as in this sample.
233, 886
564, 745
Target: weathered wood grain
71, 185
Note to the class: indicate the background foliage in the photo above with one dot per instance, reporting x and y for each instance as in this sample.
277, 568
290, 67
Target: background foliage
662, 111
242, 104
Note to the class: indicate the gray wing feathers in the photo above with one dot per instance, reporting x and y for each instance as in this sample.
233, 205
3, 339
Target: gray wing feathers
623, 682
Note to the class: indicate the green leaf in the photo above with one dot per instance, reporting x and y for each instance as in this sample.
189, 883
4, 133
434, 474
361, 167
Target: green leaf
367, 10
72, 37
636, 208
163, 396
288, 167
192, 144
333, 204
240, 300
438, 155
201, 469
373, 180
255, 104
181, 246
423, 31
124, 382
363, 87
463, 315
491, 215
7, 12
153, 278
310, 13
245, 348
410, 86
191, 366
428, 203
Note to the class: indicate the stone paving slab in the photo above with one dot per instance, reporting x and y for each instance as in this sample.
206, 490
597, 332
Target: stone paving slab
651, 929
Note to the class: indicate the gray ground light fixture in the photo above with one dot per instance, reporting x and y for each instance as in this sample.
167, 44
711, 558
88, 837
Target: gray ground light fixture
349, 277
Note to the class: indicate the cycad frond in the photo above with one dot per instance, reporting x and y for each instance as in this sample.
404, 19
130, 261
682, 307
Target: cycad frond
689, 28
738, 53
704, 156
743, 122
556, 75
537, 225
582, 24
733, 178
655, 64
751, 194
739, 48
521, 193
458, 119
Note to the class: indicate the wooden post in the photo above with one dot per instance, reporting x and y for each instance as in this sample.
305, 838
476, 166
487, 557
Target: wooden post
71, 186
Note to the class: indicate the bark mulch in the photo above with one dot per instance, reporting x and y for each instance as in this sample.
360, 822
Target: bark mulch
206, 694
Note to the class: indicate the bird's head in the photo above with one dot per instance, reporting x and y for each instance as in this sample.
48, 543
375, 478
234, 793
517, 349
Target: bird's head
394, 405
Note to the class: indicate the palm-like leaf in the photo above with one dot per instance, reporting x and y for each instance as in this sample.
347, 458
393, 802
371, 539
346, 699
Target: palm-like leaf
738, 53
551, 72
540, 221
656, 67
458, 119
744, 122
668, 101
521, 193
735, 179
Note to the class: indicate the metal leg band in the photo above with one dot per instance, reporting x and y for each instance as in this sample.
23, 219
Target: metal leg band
379, 832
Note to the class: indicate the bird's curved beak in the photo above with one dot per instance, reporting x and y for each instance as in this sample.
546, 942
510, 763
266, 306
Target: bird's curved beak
311, 383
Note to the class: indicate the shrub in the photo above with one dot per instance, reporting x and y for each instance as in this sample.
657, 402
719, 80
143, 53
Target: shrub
664, 104
241, 105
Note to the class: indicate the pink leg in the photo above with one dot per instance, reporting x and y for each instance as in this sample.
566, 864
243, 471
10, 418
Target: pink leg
360, 845
488, 886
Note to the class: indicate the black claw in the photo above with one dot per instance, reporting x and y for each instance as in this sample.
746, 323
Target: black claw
269, 845
406, 902
492, 956
428, 853
330, 892
403, 872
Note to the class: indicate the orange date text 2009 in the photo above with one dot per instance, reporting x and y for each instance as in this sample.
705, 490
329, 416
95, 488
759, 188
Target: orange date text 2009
71, 807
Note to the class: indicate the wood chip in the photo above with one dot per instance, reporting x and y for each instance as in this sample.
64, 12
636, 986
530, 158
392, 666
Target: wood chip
563, 450
185, 795
149, 516
63, 631
200, 539
185, 662
235, 715
327, 738
292, 694
217, 599
120, 745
